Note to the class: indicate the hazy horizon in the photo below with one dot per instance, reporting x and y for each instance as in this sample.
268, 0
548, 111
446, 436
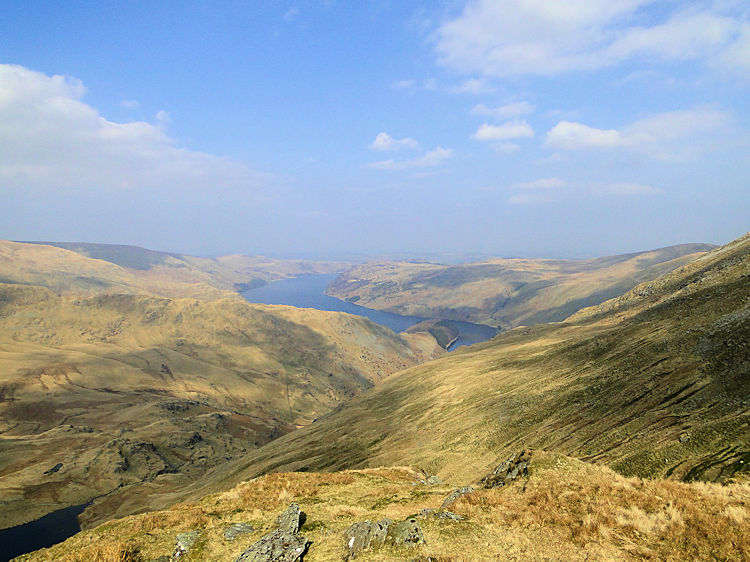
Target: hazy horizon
320, 130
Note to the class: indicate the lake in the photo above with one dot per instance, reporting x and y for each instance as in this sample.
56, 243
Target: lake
308, 291
51, 529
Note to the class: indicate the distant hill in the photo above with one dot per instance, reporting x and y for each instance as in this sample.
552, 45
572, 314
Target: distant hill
653, 384
134, 395
130, 269
504, 293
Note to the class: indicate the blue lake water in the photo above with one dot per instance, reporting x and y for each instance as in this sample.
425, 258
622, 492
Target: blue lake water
51, 529
308, 291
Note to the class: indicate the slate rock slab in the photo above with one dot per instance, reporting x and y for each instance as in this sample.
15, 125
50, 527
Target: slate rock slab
279, 546
285, 544
408, 533
185, 541
455, 494
233, 531
516, 466
365, 534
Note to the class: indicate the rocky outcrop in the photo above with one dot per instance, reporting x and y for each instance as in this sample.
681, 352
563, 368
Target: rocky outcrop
517, 466
285, 544
455, 494
185, 541
364, 535
233, 531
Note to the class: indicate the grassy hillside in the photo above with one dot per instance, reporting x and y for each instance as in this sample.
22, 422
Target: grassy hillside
654, 384
86, 269
563, 510
137, 395
504, 292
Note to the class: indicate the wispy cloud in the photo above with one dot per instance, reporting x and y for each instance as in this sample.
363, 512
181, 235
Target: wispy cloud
474, 86
291, 14
427, 160
384, 141
515, 129
548, 190
51, 139
510, 37
507, 111
543, 183
665, 135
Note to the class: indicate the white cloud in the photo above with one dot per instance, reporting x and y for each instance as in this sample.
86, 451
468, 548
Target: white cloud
51, 139
529, 198
623, 189
665, 135
543, 183
384, 141
506, 147
427, 160
508, 37
546, 190
473, 86
507, 111
518, 128
291, 13
567, 135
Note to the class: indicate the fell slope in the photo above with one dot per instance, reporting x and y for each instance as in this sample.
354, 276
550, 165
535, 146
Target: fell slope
134, 395
656, 383
86, 269
563, 510
504, 293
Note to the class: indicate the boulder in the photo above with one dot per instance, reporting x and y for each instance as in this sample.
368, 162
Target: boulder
233, 531
185, 541
365, 534
408, 533
291, 520
455, 494
285, 544
279, 546
515, 467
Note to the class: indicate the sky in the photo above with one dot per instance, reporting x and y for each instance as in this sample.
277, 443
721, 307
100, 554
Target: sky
333, 129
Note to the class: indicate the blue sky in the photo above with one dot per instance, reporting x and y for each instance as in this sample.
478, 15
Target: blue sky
330, 128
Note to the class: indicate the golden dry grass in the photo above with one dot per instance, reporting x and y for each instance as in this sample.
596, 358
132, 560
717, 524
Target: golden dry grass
565, 510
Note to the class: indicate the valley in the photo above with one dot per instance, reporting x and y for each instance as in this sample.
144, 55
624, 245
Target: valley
142, 403
504, 293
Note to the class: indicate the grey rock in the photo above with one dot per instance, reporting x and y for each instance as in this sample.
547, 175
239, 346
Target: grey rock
449, 515
365, 534
455, 494
291, 520
285, 544
440, 514
408, 533
185, 541
279, 546
432, 480
516, 466
233, 531
683, 438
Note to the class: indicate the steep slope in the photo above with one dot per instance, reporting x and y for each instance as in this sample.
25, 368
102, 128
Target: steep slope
504, 292
133, 396
563, 510
656, 383
86, 269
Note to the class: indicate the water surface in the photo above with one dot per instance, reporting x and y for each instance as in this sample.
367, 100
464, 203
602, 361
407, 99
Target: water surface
308, 291
51, 529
